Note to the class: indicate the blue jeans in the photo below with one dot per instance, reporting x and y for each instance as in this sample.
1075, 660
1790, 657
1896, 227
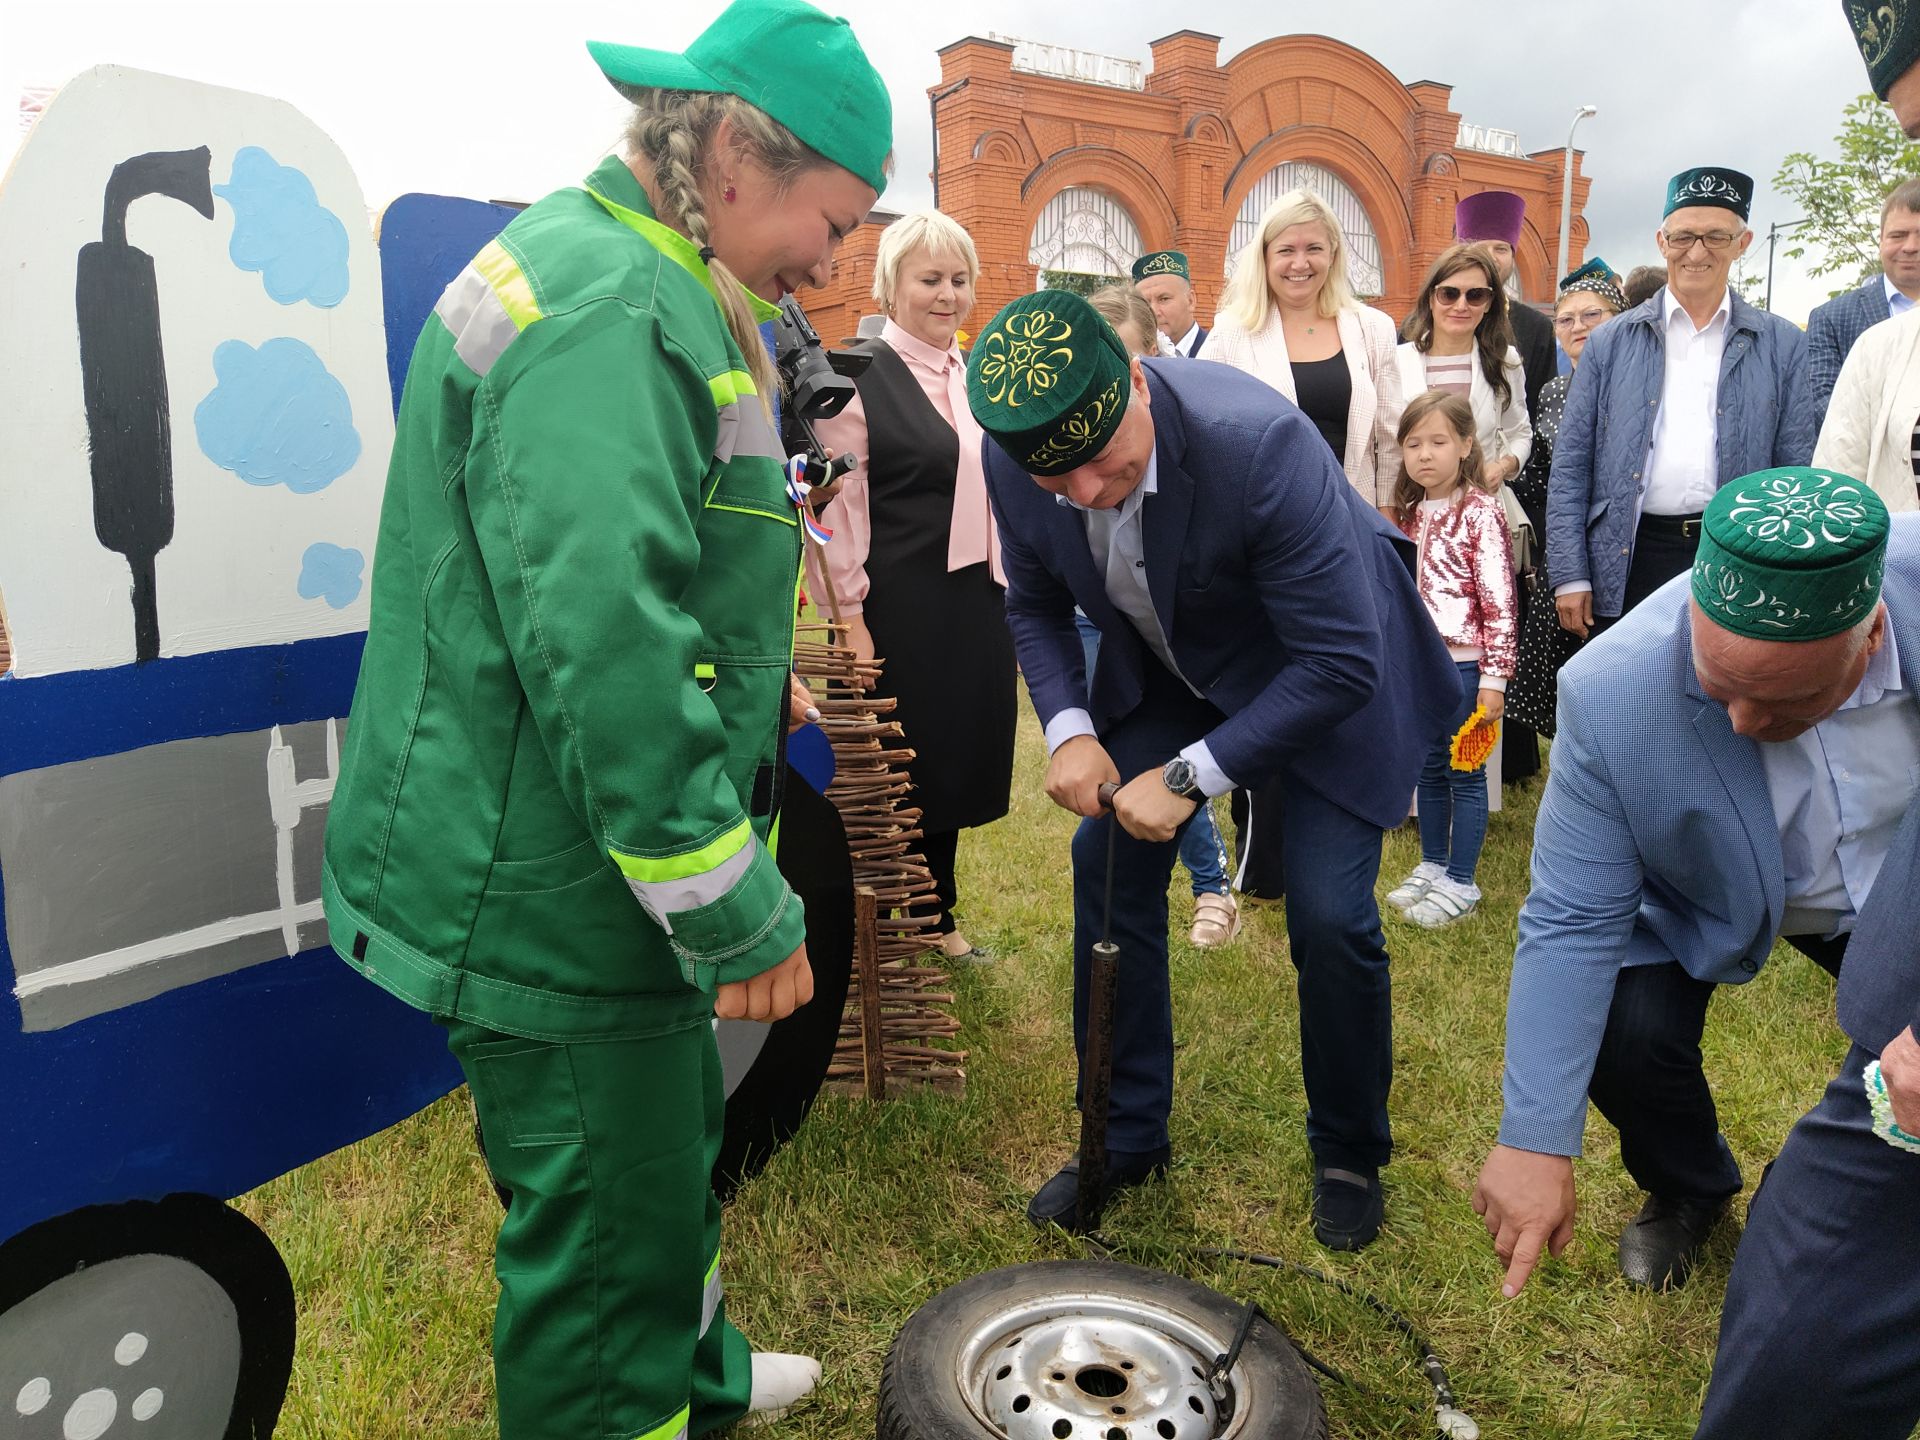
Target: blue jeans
1453, 803
1338, 952
1200, 848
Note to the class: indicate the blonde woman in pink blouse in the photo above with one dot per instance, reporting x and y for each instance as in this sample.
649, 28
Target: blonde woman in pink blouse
914, 563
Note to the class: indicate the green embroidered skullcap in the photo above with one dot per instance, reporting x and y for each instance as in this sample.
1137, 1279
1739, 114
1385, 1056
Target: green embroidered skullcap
1048, 380
1710, 185
1161, 262
1888, 34
798, 64
1791, 554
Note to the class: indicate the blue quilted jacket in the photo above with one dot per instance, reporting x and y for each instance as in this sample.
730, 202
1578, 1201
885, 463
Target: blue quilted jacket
1600, 455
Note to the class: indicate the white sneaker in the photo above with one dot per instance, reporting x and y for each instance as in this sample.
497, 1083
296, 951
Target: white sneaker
1444, 903
1411, 890
779, 1383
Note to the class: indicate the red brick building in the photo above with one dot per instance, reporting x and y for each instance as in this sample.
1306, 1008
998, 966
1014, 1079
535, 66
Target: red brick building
1062, 160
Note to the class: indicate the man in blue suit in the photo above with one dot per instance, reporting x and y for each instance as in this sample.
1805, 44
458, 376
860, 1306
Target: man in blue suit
1834, 326
1257, 621
1734, 763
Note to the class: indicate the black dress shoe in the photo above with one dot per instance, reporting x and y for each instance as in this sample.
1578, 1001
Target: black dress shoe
1347, 1207
1058, 1201
1660, 1245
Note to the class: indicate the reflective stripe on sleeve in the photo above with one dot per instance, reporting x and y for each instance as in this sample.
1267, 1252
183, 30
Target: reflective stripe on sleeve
674, 1429
486, 306
687, 881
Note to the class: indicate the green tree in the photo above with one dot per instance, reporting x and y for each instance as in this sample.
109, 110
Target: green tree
1841, 198
1080, 282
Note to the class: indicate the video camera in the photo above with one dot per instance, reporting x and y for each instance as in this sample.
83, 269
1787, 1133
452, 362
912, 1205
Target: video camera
818, 382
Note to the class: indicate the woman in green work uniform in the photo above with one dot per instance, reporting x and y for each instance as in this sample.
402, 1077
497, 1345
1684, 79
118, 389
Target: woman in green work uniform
550, 828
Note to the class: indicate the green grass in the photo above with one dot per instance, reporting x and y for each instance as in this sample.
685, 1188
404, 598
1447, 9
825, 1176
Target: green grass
872, 1210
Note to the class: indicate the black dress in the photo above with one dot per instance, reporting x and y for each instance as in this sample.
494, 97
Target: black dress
1544, 646
942, 633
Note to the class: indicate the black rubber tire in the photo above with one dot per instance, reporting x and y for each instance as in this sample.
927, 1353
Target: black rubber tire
919, 1393
205, 1233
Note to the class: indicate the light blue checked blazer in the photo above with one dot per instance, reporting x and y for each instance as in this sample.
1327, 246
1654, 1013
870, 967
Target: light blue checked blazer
1831, 330
1657, 841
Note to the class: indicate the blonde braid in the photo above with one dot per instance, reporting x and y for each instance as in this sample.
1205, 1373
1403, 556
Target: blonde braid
671, 130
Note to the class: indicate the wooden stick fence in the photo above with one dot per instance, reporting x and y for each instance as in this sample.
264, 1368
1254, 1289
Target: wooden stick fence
899, 1018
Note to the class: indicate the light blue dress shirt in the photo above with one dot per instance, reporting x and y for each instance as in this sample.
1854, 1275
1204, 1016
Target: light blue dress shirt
1897, 303
1119, 548
1839, 792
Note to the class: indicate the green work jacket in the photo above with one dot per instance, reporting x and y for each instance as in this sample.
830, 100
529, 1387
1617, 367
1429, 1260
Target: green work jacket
556, 788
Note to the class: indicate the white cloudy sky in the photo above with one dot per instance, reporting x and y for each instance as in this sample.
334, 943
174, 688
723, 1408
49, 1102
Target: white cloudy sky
469, 97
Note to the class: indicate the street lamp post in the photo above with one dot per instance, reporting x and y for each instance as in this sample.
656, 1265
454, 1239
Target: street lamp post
1773, 232
1566, 189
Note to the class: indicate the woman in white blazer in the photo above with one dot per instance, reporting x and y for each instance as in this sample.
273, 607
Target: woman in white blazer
1874, 416
1458, 339
1289, 316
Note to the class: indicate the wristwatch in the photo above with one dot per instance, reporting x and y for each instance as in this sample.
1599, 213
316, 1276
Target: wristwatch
1177, 775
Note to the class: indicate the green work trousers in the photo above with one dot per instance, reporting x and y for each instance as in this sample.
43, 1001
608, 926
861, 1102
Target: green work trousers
610, 1323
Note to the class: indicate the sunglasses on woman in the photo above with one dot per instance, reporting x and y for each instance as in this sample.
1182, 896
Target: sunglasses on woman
1476, 296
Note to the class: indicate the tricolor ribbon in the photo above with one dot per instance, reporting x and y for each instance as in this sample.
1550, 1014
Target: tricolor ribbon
797, 492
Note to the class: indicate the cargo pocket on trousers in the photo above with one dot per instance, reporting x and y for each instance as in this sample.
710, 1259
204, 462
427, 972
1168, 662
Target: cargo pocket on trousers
527, 1090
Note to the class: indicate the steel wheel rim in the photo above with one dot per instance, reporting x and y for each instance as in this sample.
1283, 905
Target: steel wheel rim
1095, 1364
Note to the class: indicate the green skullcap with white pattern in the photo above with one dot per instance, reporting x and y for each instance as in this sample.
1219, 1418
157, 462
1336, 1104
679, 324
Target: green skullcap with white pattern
1048, 380
1791, 554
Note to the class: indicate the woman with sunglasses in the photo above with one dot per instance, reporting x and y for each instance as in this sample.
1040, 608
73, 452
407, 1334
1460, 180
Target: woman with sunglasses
1458, 339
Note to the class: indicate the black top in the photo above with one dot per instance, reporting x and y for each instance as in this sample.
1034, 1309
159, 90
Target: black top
1539, 353
1325, 389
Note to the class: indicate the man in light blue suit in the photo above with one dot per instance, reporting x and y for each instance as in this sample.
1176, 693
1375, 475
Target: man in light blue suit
1734, 762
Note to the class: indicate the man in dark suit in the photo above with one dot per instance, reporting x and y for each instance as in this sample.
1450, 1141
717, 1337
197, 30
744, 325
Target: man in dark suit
1834, 326
1164, 282
1493, 218
1258, 622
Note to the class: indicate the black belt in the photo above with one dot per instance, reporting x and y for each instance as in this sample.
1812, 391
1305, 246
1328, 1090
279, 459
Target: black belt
1686, 527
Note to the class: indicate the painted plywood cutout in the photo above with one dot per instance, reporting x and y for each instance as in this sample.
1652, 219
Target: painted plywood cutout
195, 383
203, 393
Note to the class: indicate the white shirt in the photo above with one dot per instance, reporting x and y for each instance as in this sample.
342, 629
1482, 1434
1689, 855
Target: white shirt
1897, 303
1119, 546
1682, 470
1188, 342
1839, 792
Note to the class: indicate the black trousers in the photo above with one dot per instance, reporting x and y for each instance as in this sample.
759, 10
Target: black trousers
941, 852
1650, 1084
1663, 547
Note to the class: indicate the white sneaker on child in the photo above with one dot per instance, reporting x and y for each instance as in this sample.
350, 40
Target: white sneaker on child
1409, 891
779, 1383
1445, 902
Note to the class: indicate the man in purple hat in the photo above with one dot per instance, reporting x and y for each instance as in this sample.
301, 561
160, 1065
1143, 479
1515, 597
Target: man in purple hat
1492, 218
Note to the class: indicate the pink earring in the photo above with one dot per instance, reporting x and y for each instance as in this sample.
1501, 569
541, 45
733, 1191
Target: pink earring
727, 195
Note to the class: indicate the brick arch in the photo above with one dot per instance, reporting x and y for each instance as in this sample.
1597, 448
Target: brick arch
1323, 59
1121, 176
999, 147
1383, 197
1209, 128
1534, 259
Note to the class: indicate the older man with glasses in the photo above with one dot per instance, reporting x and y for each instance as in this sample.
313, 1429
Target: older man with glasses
1672, 400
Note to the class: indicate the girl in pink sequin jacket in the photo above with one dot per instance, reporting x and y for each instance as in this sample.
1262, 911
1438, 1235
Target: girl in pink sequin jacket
1465, 577
1466, 555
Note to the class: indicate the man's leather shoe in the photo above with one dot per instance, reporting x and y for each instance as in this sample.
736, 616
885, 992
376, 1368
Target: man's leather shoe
1347, 1207
1660, 1245
1058, 1201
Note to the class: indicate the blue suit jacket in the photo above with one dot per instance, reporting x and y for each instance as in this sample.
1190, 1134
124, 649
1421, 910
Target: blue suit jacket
1831, 331
1285, 598
1657, 841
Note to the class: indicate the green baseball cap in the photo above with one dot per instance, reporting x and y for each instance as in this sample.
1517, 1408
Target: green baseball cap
1791, 554
1048, 381
798, 64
